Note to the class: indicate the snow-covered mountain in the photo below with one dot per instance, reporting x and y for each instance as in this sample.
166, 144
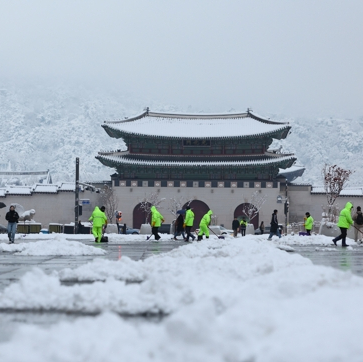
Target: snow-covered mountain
47, 127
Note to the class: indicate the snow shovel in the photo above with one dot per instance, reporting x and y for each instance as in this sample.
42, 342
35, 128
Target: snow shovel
218, 236
358, 230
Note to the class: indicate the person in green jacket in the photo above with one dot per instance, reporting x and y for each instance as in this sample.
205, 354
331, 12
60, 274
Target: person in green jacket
344, 222
156, 220
309, 222
188, 223
243, 226
203, 225
99, 219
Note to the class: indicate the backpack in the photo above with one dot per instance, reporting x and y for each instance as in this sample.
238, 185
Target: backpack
359, 220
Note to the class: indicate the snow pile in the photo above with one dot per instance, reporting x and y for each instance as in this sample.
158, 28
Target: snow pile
320, 240
57, 246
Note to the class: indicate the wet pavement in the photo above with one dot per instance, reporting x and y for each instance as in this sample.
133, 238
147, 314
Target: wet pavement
13, 267
345, 259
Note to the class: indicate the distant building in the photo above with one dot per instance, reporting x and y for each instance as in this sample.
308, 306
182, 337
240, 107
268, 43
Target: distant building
24, 178
171, 153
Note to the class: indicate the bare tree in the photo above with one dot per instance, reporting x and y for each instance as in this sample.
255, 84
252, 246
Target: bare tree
108, 199
176, 204
335, 179
153, 199
214, 219
253, 205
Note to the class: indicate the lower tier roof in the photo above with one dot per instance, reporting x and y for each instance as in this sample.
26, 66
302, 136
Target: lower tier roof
282, 162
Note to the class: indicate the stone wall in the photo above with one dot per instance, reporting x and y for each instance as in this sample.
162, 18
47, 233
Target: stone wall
59, 208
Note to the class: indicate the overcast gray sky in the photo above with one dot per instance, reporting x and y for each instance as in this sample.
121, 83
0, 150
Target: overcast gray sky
297, 57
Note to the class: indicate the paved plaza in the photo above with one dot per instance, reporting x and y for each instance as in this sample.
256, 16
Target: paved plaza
13, 267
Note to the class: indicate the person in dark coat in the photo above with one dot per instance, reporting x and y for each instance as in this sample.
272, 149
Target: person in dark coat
12, 217
235, 226
178, 227
274, 229
262, 228
358, 226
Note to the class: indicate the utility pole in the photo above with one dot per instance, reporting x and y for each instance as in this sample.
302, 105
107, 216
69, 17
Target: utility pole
76, 208
286, 208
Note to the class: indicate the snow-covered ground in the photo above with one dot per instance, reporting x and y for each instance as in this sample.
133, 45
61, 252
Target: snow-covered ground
240, 299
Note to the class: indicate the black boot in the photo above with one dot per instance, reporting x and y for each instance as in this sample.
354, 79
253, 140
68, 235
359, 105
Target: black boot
344, 245
200, 237
9, 236
335, 243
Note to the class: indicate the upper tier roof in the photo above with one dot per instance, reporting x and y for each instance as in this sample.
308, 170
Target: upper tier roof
195, 125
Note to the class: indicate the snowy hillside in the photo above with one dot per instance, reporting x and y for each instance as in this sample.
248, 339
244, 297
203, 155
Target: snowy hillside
48, 127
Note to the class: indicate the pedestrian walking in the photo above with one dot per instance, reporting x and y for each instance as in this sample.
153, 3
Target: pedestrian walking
156, 220
235, 226
179, 227
262, 228
358, 225
118, 221
203, 225
309, 222
274, 229
242, 226
188, 223
344, 222
12, 217
99, 222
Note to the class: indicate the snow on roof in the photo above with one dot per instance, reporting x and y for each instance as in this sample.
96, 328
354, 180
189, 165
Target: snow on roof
66, 186
19, 190
349, 191
292, 169
125, 160
197, 125
46, 188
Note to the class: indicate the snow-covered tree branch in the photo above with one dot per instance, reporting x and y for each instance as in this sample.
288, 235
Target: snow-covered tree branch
152, 199
108, 199
176, 203
335, 179
253, 205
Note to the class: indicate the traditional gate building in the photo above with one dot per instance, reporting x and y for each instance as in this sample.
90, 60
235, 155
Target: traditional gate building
216, 160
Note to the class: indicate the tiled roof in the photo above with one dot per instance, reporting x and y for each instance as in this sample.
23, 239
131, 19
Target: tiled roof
124, 160
196, 125
66, 186
349, 191
37, 188
19, 190
40, 188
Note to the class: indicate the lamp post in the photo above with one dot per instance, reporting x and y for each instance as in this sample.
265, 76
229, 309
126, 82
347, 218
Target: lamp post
280, 199
286, 208
76, 207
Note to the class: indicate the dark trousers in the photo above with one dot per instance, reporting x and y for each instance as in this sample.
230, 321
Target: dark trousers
342, 236
308, 232
243, 231
154, 231
235, 231
188, 231
118, 228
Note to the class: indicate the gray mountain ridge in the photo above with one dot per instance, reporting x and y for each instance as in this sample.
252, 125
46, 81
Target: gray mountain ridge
47, 127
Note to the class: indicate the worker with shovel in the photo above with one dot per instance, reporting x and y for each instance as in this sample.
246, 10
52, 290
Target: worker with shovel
203, 226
